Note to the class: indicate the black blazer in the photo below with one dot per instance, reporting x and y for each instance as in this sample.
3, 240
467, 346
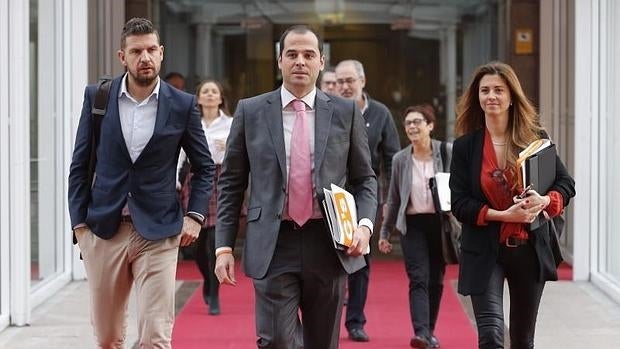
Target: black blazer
480, 244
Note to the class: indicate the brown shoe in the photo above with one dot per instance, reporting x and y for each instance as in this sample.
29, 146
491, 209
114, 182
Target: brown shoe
419, 342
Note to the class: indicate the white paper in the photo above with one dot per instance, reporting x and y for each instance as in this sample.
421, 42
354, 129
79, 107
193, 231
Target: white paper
341, 215
543, 145
442, 179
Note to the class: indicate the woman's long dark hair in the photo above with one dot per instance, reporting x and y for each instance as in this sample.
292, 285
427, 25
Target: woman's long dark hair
523, 120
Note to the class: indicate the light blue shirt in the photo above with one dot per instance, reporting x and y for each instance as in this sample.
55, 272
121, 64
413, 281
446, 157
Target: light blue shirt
137, 118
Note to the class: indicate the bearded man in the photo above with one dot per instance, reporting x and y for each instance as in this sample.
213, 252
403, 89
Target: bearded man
127, 219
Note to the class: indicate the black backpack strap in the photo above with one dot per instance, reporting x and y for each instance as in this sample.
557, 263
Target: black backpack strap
443, 151
97, 113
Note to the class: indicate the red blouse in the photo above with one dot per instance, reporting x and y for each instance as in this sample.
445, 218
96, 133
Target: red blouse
496, 186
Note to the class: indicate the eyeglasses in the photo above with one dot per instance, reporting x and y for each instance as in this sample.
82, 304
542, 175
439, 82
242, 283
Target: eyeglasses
348, 81
499, 177
416, 122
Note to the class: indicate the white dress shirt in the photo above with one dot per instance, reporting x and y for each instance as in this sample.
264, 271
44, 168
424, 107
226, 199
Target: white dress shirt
137, 122
137, 118
216, 134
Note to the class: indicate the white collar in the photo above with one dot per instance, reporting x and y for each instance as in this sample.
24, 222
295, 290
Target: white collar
123, 89
287, 97
366, 99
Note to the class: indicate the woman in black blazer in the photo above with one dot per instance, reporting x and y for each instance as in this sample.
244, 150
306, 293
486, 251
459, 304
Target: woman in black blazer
496, 121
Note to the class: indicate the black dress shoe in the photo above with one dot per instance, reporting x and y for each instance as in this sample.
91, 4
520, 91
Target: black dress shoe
214, 305
419, 342
433, 343
205, 292
358, 335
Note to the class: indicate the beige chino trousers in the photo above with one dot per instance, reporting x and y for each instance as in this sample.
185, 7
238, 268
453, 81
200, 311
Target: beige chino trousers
112, 267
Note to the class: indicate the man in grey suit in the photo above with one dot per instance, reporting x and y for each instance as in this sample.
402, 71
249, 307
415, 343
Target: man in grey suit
288, 249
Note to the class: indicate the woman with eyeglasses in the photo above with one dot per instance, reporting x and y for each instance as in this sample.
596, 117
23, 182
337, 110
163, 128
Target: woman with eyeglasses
495, 121
411, 210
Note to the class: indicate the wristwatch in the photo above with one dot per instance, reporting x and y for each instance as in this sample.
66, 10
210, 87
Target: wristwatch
195, 217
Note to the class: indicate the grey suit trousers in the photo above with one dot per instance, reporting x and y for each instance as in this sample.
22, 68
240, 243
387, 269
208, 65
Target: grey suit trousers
305, 274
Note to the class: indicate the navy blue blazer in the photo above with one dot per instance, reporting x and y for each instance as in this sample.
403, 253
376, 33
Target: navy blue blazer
147, 185
480, 244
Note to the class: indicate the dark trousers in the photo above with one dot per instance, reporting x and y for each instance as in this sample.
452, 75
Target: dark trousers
518, 265
425, 268
357, 289
358, 292
205, 259
305, 274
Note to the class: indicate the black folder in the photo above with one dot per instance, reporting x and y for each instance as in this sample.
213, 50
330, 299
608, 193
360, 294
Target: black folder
540, 172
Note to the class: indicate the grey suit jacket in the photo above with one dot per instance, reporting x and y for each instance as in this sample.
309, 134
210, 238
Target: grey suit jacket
255, 152
400, 186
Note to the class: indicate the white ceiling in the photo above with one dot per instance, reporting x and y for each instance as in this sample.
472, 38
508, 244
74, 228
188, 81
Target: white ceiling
417, 14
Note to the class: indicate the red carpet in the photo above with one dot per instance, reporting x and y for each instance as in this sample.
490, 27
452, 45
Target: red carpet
389, 325
565, 272
234, 328
387, 312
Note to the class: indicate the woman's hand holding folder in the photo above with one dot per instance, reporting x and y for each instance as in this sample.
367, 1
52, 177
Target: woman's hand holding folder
531, 204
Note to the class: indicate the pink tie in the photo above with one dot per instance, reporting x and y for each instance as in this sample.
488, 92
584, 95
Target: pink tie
300, 177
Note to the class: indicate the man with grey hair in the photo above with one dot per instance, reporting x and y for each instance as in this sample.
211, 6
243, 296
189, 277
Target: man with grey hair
383, 142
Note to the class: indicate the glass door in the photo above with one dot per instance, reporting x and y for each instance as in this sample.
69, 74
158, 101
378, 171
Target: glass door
45, 154
610, 153
4, 168
4, 191
412, 52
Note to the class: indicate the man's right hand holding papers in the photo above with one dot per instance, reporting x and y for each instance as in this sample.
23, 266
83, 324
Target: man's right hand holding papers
341, 217
361, 241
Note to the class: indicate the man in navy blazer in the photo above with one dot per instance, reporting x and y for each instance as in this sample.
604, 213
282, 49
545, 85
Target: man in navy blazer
293, 264
128, 222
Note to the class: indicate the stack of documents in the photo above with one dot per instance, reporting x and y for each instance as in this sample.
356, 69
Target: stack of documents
341, 216
532, 150
536, 165
442, 181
